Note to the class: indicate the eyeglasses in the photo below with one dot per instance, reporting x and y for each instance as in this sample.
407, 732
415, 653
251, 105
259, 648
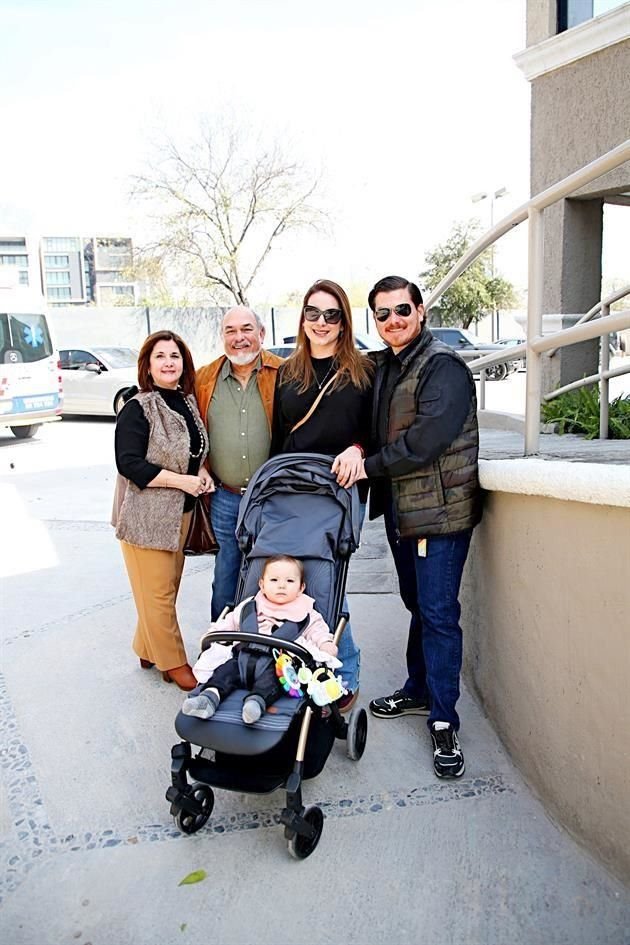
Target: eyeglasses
332, 316
404, 310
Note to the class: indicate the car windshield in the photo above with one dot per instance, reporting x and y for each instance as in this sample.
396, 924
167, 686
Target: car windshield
117, 357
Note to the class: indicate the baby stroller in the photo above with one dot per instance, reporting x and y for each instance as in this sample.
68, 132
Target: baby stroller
294, 506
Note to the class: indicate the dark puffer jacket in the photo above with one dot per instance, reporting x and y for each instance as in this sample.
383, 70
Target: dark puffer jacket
441, 497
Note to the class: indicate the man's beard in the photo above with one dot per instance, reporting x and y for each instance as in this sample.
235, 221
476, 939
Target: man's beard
244, 357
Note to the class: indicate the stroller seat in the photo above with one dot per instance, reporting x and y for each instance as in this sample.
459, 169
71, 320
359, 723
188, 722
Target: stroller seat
225, 731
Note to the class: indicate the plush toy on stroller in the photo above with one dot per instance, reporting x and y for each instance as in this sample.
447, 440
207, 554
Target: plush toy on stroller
293, 506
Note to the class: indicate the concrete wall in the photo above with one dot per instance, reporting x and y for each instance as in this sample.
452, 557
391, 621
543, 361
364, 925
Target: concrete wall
541, 20
579, 112
75, 326
546, 612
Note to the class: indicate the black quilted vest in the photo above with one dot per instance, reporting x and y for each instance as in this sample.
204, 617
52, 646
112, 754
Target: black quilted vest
443, 497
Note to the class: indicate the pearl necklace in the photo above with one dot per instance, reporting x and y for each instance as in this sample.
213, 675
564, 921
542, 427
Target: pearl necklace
200, 427
321, 383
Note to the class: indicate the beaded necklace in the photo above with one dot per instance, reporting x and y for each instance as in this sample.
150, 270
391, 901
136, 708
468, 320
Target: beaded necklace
201, 429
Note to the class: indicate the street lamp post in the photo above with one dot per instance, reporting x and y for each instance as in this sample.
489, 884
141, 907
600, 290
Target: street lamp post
501, 192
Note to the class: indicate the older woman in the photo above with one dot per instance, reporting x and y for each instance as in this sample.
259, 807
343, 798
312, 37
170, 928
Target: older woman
326, 359
161, 445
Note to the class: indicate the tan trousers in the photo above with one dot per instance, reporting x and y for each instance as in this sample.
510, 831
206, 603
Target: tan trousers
154, 577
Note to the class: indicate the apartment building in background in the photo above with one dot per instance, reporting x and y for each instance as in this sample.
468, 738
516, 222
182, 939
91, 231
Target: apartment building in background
73, 270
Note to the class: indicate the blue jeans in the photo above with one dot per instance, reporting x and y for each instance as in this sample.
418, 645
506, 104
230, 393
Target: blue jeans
429, 588
224, 514
349, 652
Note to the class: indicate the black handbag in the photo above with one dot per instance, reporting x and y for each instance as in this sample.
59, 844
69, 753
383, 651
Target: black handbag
200, 539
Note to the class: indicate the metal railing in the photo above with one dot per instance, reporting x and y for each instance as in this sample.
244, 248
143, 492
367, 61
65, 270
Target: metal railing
537, 344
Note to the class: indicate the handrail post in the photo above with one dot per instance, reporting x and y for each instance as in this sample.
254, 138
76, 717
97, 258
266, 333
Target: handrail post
533, 378
482, 389
604, 383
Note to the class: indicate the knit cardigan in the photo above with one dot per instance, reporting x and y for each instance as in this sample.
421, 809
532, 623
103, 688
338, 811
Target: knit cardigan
152, 517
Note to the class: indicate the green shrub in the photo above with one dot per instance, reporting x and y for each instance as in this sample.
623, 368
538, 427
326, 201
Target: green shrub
578, 412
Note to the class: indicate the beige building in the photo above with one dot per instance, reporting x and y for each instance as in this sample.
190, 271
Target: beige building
577, 61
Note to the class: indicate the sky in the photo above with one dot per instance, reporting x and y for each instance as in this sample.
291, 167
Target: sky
405, 109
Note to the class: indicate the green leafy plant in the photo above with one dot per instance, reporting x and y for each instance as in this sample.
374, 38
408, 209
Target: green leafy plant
578, 412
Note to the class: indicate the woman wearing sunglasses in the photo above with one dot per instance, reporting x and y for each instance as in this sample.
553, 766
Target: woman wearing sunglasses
327, 372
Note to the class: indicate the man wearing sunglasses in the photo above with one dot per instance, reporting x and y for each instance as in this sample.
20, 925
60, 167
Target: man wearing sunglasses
424, 479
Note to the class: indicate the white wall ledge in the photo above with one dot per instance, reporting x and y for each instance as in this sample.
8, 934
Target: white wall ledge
594, 483
576, 43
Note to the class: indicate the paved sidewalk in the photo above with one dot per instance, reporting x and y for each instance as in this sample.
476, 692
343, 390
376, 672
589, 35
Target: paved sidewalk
503, 444
90, 854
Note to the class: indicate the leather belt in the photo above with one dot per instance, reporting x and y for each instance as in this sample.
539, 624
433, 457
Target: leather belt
232, 489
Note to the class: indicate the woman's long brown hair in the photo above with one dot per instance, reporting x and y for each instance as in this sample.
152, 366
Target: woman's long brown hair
352, 367
186, 381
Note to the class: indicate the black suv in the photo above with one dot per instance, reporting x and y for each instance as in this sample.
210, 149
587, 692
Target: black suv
469, 347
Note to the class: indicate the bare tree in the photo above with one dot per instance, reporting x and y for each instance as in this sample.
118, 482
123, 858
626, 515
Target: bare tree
221, 203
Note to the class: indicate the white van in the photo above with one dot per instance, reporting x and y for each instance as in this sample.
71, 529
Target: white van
31, 391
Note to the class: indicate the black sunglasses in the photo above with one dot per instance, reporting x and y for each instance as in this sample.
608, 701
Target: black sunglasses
332, 316
403, 310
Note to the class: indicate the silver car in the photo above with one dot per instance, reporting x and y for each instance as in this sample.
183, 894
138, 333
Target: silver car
96, 378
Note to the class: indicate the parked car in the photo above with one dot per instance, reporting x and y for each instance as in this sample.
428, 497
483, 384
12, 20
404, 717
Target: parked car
470, 347
508, 342
363, 343
96, 378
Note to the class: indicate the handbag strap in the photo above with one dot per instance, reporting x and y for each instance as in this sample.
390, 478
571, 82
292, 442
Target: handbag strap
314, 405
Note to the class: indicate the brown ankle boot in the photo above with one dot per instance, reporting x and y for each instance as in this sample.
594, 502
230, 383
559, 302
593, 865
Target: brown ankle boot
182, 676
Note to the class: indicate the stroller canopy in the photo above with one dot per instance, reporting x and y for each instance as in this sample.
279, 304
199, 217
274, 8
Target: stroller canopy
294, 505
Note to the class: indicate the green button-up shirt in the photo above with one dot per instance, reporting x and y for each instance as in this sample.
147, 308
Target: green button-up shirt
237, 424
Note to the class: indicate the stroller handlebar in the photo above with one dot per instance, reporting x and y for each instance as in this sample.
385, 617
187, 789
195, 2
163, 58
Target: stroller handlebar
273, 642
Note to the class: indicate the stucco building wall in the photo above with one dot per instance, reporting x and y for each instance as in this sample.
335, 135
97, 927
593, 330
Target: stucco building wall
546, 617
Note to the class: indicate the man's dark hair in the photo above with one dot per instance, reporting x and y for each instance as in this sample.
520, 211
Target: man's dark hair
390, 284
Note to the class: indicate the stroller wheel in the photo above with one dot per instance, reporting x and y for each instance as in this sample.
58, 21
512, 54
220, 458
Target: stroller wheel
300, 847
203, 796
357, 734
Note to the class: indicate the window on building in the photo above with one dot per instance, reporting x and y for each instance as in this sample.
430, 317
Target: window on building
23, 277
58, 292
9, 245
58, 262
61, 244
57, 277
6, 260
573, 12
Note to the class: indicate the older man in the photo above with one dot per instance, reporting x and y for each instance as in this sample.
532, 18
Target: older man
235, 396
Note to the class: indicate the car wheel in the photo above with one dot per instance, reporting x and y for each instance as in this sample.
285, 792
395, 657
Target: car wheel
26, 433
119, 400
498, 373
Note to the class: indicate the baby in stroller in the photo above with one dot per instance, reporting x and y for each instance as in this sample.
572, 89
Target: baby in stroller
282, 605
